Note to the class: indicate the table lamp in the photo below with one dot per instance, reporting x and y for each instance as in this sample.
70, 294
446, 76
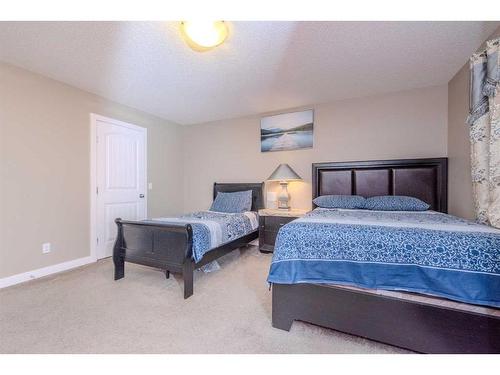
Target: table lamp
283, 174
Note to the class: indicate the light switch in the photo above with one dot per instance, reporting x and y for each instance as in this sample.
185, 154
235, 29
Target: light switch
150, 186
46, 248
272, 199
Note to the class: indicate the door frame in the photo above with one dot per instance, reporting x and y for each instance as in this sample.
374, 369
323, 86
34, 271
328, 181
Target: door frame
94, 118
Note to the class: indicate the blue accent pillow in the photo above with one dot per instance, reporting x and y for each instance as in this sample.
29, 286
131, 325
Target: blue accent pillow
239, 201
340, 201
395, 203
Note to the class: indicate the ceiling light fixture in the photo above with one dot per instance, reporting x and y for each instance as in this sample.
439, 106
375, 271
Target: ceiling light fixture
204, 35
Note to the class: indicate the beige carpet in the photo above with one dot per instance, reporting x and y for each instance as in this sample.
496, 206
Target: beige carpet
85, 311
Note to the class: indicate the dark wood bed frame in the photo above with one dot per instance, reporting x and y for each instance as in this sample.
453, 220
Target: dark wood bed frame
169, 246
418, 326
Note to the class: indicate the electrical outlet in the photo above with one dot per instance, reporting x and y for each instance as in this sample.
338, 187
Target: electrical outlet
46, 248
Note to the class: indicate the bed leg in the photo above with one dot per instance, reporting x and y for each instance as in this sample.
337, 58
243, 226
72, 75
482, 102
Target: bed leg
282, 322
119, 267
282, 317
167, 274
187, 275
118, 256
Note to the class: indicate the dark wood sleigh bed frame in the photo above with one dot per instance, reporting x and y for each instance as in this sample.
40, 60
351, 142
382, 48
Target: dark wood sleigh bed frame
169, 246
418, 326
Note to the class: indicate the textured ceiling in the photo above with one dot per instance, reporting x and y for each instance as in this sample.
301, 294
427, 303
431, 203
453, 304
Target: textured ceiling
262, 67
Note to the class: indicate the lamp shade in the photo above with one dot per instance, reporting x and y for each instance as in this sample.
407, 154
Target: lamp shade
284, 173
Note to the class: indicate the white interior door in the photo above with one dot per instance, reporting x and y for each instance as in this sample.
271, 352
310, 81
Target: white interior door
121, 178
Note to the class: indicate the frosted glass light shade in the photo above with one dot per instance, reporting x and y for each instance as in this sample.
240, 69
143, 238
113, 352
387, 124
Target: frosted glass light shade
204, 35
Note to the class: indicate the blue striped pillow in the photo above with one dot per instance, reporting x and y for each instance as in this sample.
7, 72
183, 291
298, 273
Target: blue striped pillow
340, 201
239, 201
395, 203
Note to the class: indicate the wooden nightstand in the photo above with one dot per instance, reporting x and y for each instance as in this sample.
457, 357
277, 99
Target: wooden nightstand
270, 221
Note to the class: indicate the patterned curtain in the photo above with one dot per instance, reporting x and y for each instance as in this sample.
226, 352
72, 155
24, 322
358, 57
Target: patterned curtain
484, 121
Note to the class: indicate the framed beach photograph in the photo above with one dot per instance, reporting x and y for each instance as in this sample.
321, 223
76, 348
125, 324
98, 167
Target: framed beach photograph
287, 131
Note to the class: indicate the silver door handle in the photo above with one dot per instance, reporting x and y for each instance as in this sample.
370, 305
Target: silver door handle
141, 195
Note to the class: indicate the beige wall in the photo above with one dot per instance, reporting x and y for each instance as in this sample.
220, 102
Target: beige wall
44, 173
410, 124
459, 181
44, 149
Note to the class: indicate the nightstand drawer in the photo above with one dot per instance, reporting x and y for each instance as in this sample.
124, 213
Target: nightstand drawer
274, 223
268, 237
269, 227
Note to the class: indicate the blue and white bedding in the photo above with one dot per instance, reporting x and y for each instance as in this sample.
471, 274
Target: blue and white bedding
213, 229
424, 252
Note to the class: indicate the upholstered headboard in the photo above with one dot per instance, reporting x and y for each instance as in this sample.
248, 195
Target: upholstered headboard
425, 179
257, 191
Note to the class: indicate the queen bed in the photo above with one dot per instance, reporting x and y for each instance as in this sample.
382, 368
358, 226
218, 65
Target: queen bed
424, 280
185, 243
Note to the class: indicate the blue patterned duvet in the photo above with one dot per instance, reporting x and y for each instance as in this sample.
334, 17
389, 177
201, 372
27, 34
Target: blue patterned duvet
212, 229
424, 252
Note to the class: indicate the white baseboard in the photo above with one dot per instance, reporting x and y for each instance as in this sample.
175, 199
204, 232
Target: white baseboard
45, 271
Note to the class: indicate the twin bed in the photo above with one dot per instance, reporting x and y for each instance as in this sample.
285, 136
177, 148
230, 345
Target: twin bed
422, 280
183, 244
384, 274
